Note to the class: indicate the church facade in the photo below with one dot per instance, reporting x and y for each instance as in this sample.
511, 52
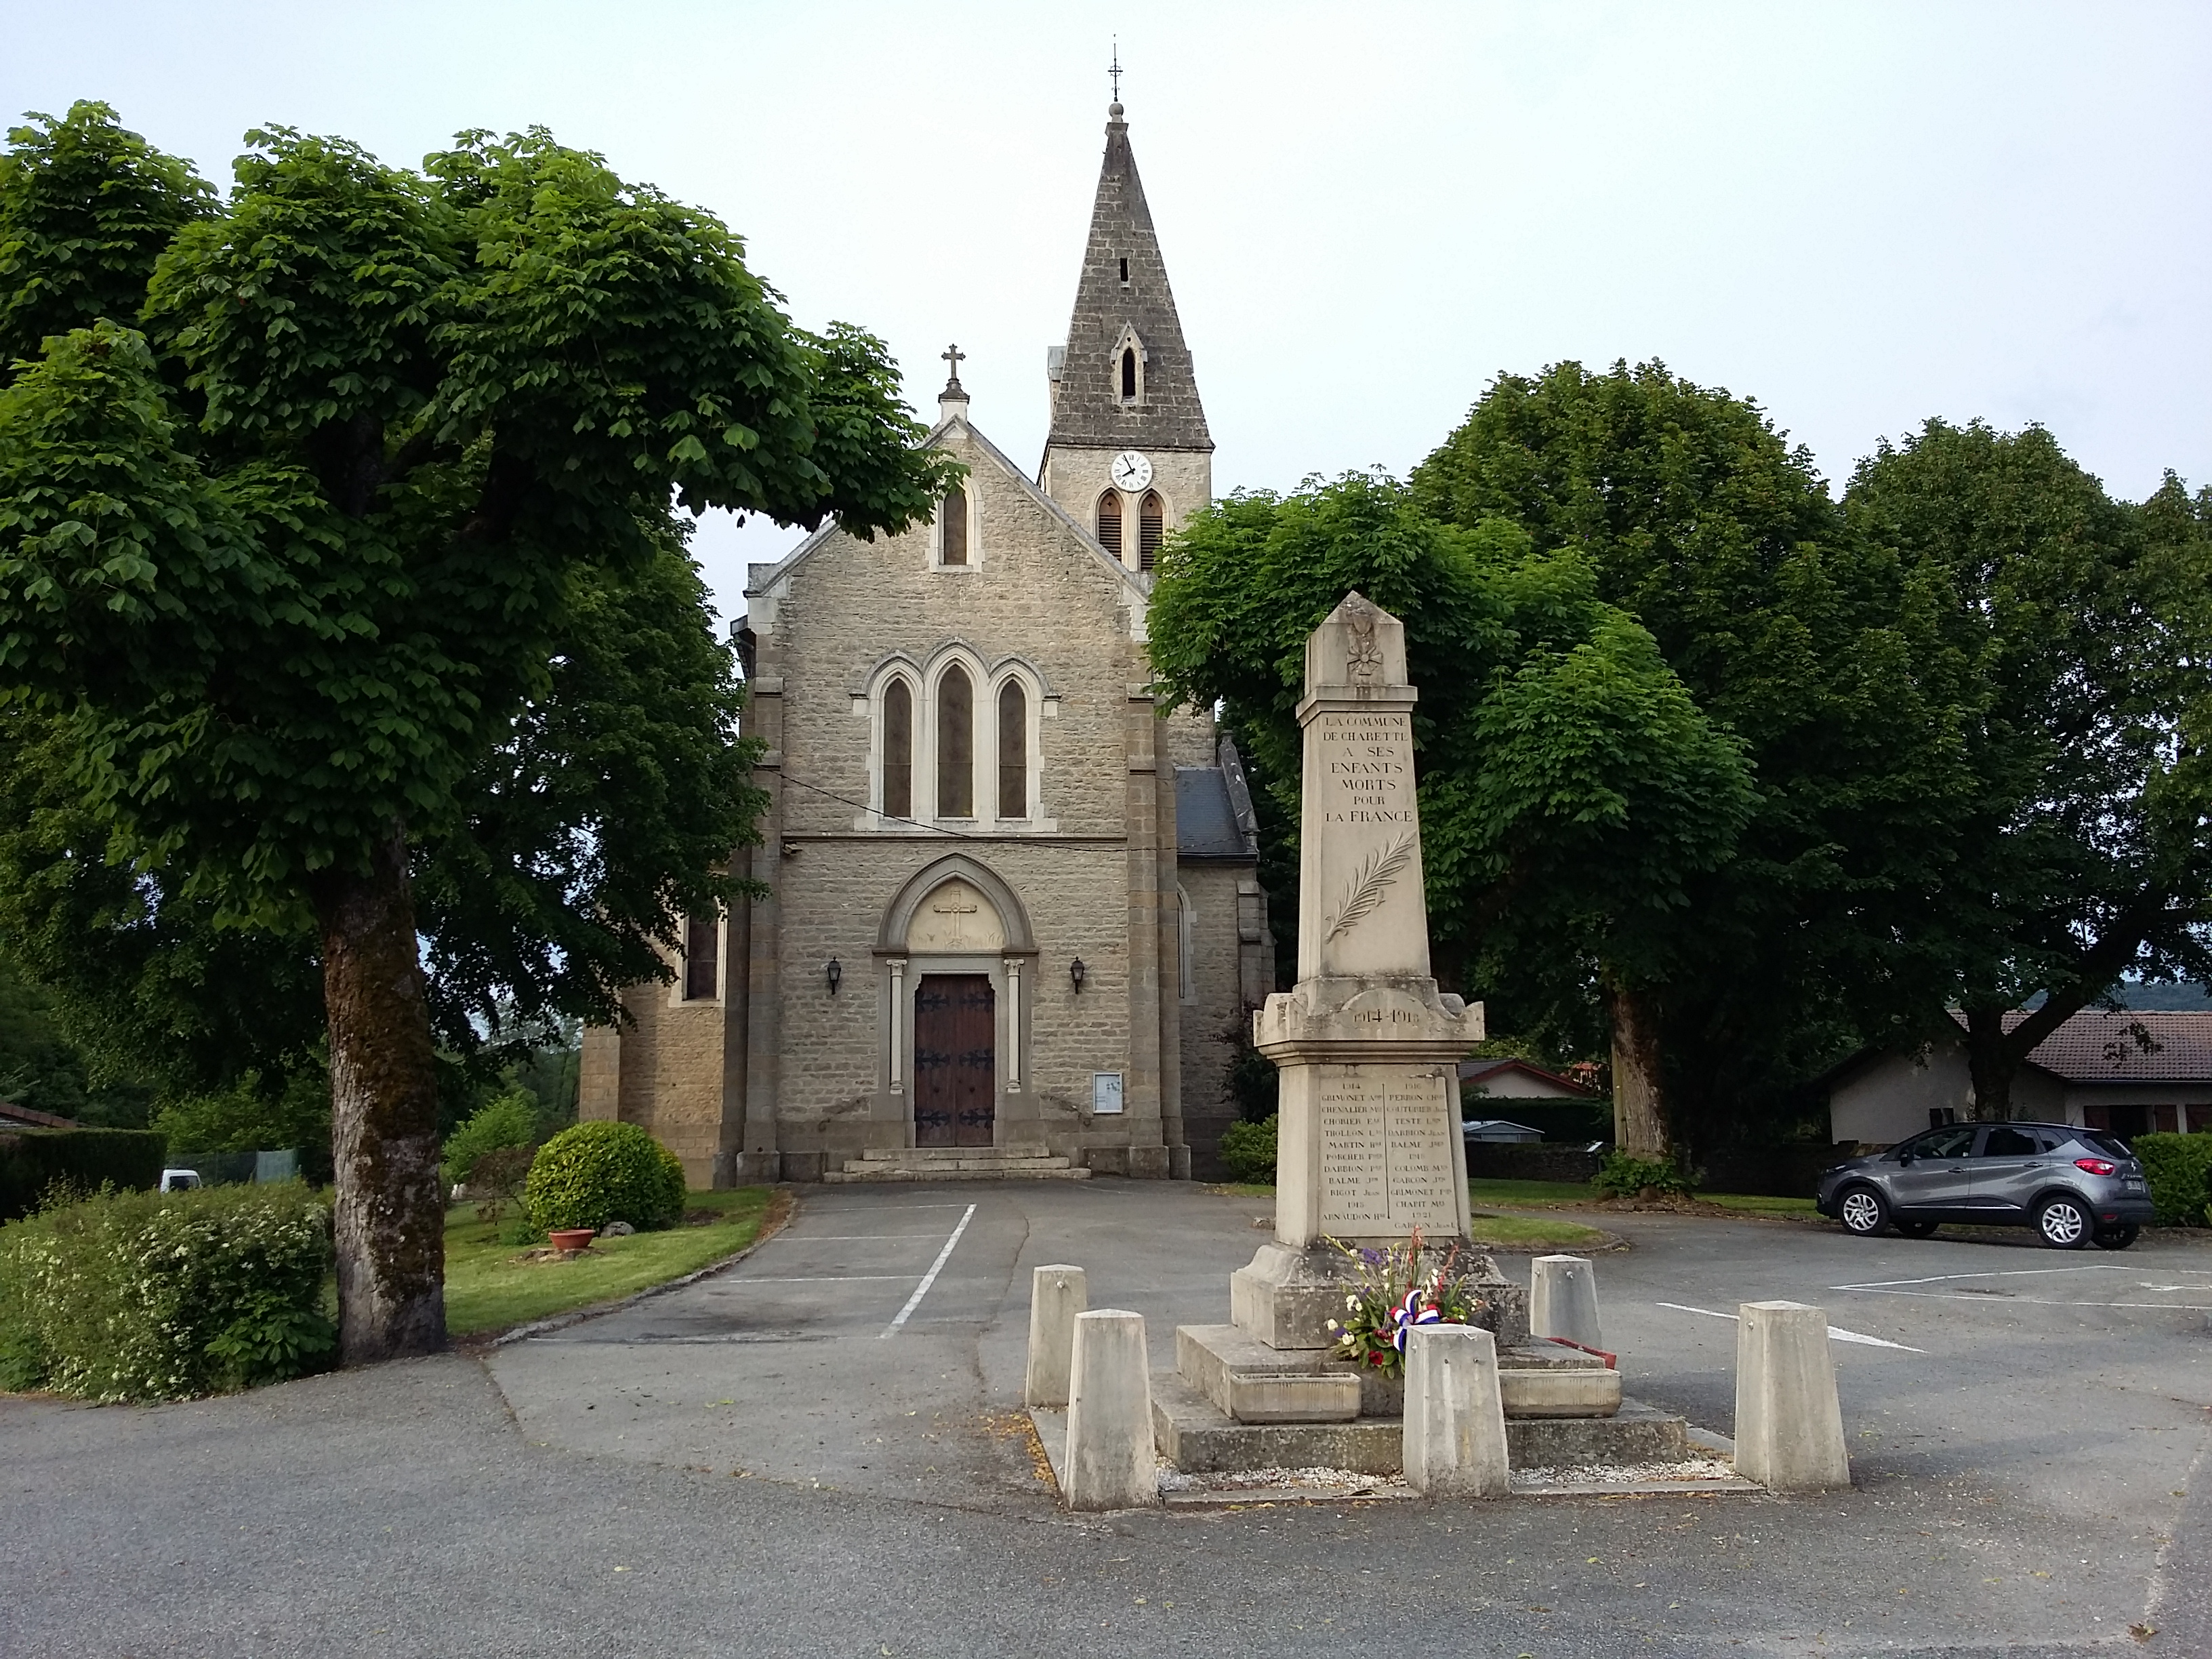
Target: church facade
1008, 903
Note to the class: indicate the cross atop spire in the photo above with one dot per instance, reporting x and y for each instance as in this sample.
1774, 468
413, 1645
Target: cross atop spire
954, 356
1115, 71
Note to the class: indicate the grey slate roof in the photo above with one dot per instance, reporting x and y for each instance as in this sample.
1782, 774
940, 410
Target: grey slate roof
1087, 412
1205, 823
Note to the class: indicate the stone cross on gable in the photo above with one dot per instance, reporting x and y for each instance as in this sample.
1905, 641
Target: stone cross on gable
954, 356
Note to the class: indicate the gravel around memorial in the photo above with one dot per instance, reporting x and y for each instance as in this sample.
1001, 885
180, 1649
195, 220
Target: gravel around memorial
1299, 1481
1621, 1474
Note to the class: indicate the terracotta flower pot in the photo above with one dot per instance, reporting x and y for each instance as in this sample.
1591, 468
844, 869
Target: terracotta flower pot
569, 1240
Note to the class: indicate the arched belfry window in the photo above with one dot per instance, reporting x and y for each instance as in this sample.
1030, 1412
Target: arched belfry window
956, 745
952, 527
898, 750
1109, 522
1013, 751
1128, 374
1151, 525
702, 938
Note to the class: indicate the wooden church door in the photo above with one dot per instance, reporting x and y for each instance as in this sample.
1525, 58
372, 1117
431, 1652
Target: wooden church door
955, 1059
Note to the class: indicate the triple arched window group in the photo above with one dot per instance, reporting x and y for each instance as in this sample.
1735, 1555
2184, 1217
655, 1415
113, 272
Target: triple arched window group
963, 743
1152, 526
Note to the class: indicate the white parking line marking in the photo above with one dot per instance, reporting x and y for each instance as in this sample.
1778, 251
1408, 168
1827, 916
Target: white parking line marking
930, 1278
1836, 1333
2007, 1272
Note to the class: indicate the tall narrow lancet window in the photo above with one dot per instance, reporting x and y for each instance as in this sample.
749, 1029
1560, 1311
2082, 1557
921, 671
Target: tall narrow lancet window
956, 745
1151, 525
701, 937
952, 520
899, 751
1128, 374
1109, 522
1013, 751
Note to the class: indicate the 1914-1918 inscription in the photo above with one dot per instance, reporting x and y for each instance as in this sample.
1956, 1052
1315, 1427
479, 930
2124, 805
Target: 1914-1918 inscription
1386, 1158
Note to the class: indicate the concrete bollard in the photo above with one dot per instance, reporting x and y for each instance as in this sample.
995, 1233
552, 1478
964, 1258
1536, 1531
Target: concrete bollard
1455, 1416
1057, 1294
1789, 1424
1563, 1299
1110, 1461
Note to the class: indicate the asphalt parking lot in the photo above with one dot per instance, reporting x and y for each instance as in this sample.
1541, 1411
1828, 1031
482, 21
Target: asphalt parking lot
774, 1461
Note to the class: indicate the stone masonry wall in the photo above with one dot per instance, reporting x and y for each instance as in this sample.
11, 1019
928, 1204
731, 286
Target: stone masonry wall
1207, 1108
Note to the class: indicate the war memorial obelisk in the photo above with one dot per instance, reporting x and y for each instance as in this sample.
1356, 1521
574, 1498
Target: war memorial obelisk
1369, 1148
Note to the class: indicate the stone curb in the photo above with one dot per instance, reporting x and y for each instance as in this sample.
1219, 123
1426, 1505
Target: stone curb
770, 1226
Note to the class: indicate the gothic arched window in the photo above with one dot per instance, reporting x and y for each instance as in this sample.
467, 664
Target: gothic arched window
899, 751
1129, 373
1109, 522
1013, 751
1151, 525
956, 745
952, 527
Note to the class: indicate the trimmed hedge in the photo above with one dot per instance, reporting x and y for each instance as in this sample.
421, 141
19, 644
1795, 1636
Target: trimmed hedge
1507, 1160
33, 1160
2179, 1169
166, 1296
597, 1172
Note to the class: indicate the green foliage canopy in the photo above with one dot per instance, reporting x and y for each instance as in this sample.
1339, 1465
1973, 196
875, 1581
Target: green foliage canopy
1569, 786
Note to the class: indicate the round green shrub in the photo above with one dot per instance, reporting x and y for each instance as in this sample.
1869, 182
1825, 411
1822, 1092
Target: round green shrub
595, 1173
1625, 1175
1249, 1151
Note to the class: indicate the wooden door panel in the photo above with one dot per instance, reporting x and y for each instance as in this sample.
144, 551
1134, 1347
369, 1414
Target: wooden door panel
955, 1059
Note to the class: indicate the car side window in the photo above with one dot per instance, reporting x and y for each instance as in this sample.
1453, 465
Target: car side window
1953, 1142
2005, 1141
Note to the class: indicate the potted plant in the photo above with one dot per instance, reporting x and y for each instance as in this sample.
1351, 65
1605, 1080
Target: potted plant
571, 1240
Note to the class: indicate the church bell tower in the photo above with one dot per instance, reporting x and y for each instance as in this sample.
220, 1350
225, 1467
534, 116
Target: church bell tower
1128, 456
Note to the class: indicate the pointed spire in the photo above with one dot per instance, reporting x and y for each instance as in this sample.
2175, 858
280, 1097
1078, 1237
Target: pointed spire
1123, 303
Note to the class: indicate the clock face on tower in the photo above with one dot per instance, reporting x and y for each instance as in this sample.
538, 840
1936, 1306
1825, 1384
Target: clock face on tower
1130, 470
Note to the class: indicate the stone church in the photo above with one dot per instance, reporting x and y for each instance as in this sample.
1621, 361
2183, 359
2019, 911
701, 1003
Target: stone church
1012, 912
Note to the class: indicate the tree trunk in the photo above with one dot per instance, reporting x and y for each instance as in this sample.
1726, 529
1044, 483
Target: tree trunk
1992, 1060
1639, 1120
390, 1215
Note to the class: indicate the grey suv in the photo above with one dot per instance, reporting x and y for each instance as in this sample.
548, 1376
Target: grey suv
2073, 1186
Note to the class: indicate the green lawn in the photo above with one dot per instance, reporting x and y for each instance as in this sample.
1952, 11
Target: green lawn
1537, 1233
490, 1286
1524, 1194
1758, 1205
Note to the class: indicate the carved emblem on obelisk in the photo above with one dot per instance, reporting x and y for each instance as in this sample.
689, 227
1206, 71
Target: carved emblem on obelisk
1363, 651
1370, 882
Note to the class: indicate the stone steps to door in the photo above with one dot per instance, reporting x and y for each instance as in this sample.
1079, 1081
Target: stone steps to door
1031, 1163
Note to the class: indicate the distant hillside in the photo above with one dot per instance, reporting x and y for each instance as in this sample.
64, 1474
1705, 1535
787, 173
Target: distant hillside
2164, 996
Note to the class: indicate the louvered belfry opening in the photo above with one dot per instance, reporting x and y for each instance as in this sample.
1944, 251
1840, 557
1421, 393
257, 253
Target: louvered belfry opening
1013, 751
1109, 522
1151, 525
953, 517
899, 751
956, 745
701, 935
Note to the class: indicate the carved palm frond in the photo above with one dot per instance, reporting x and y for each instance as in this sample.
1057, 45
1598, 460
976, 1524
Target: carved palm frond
1370, 882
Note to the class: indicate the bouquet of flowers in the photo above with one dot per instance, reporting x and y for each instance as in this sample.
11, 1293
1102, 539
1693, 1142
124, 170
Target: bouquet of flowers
1398, 1288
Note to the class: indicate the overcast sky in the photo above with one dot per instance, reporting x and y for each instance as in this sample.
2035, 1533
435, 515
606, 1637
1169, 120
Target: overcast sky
1861, 215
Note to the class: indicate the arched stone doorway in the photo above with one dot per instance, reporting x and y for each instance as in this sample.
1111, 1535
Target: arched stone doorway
953, 949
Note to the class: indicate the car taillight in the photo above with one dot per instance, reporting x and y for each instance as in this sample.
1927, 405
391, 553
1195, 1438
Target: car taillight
2095, 1166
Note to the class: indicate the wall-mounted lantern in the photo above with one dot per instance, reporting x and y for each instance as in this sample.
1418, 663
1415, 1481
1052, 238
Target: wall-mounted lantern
833, 973
1075, 972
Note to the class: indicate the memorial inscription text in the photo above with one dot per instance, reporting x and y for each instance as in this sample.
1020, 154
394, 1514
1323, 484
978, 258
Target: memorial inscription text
1367, 765
1386, 1157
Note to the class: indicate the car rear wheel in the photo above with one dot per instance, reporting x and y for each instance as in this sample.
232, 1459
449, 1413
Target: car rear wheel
1916, 1229
1863, 1211
2063, 1223
2116, 1238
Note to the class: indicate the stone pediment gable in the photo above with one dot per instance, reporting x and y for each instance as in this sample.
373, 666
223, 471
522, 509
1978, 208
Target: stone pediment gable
771, 581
